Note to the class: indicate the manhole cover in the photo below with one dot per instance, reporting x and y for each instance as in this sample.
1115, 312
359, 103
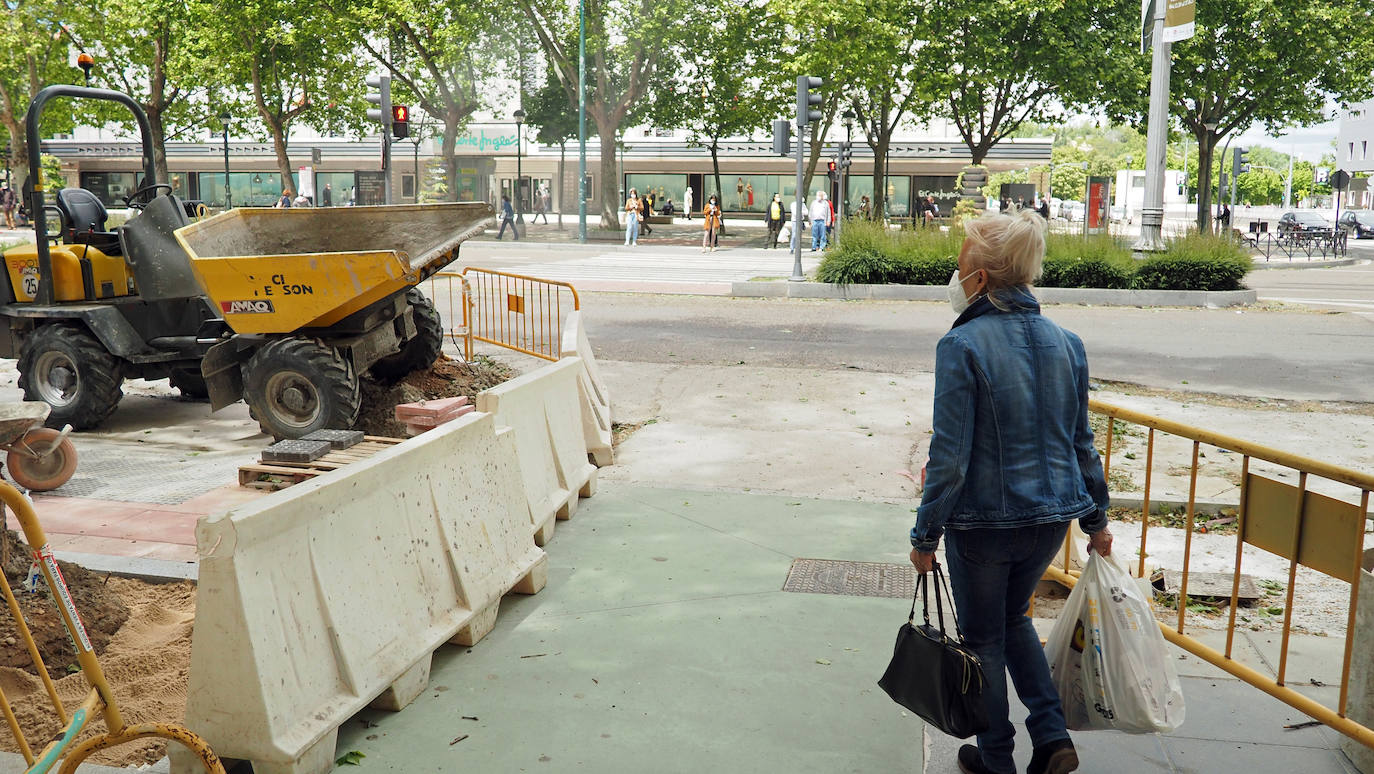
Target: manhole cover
855, 579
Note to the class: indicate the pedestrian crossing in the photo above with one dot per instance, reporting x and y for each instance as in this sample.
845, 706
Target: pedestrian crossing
669, 265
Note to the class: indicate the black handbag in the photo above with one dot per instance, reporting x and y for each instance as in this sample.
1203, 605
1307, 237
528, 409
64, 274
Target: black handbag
934, 675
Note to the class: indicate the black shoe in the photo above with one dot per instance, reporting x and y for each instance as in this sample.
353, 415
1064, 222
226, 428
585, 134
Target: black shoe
971, 761
1054, 758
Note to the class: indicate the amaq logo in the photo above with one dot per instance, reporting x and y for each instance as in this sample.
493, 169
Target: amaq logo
246, 307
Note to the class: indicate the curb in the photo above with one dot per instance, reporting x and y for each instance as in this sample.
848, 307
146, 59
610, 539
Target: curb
1259, 265
148, 570
1091, 296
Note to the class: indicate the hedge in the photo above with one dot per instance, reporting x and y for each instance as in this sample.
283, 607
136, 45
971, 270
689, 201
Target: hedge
871, 254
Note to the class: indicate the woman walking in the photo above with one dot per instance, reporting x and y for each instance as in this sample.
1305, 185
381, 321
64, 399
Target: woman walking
710, 215
632, 219
1011, 463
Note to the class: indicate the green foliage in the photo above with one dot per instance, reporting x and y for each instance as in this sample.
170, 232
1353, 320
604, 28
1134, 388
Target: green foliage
53, 179
1196, 262
869, 253
964, 209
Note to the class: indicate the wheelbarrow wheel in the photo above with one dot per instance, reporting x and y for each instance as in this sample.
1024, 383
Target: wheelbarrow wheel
41, 472
297, 386
419, 351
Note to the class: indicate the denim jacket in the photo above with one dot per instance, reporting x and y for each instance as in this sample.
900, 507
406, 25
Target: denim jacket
1011, 444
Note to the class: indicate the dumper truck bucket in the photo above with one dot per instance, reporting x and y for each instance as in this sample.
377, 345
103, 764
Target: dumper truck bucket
280, 270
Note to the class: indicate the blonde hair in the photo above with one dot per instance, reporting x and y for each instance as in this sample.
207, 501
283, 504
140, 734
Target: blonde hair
1009, 247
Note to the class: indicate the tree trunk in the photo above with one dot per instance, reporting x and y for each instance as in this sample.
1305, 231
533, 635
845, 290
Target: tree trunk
450, 158
715, 171
880, 149
610, 189
1206, 143
562, 179
159, 144
283, 160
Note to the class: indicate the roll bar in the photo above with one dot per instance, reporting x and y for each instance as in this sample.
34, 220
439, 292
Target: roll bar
31, 121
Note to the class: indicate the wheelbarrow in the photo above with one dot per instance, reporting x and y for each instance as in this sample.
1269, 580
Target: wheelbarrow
39, 458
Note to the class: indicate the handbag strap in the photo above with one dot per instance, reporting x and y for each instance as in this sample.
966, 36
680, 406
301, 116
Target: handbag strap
941, 590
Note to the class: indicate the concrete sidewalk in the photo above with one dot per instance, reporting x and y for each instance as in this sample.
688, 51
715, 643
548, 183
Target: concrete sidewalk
664, 643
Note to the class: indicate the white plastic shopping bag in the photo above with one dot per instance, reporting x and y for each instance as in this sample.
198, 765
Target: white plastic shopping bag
1109, 659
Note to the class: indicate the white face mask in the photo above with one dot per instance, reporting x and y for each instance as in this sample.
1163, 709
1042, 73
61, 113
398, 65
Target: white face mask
955, 289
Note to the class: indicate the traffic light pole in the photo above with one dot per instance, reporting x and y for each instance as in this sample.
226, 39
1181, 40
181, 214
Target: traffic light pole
386, 164
797, 274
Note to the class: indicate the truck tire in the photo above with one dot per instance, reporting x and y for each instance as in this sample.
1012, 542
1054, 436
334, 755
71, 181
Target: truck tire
67, 368
297, 386
189, 382
418, 352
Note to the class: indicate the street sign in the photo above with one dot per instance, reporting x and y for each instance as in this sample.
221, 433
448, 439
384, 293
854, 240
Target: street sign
1340, 179
1179, 18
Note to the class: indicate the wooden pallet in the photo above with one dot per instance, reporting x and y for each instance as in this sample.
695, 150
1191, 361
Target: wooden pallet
272, 476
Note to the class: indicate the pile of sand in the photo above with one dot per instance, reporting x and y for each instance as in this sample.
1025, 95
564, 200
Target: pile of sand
146, 664
447, 378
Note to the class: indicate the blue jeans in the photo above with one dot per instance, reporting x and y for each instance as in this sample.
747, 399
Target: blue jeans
817, 235
632, 231
993, 573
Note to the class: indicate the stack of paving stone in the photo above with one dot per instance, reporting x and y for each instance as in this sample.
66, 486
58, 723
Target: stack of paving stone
428, 414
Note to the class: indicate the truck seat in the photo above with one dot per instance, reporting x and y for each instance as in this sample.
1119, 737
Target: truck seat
86, 218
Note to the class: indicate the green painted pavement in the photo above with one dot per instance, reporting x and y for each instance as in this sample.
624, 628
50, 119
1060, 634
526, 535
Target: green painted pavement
663, 643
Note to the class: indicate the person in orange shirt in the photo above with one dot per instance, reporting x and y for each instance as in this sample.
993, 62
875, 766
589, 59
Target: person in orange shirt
711, 227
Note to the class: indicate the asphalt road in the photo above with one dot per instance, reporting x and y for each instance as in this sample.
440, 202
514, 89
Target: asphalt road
1344, 287
1287, 353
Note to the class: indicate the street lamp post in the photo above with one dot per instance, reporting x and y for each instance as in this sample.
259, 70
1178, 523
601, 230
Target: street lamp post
848, 118
1204, 216
519, 174
225, 118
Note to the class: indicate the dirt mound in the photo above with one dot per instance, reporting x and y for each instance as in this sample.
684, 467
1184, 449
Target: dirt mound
101, 609
147, 665
447, 378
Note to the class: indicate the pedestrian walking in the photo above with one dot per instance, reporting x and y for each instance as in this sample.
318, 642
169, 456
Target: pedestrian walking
687, 202
632, 218
1224, 218
1044, 208
821, 218
301, 200
327, 196
865, 207
507, 219
284, 203
646, 208
774, 215
8, 201
539, 209
711, 214
546, 198
1012, 462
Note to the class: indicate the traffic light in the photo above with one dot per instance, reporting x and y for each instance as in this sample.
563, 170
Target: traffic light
379, 94
1240, 162
782, 137
846, 154
400, 121
832, 169
807, 100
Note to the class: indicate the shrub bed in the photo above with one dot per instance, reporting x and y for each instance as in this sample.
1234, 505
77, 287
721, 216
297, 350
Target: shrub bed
871, 254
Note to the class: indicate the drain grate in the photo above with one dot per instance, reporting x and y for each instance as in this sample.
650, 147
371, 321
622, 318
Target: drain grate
855, 579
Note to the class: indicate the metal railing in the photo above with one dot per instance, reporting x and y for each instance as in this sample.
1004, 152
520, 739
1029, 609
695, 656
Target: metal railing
460, 335
99, 699
1307, 528
1323, 243
516, 311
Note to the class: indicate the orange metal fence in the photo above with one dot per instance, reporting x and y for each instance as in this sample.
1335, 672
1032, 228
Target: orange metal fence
516, 311
442, 285
1307, 528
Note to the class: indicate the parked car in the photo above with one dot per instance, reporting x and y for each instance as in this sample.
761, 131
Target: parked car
1071, 210
1357, 223
1301, 221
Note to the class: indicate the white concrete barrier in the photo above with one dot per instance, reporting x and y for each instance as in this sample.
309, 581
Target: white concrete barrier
596, 399
317, 600
543, 408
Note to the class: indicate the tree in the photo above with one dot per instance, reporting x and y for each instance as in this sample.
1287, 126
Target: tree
882, 83
992, 67
438, 55
624, 44
556, 118
287, 62
34, 43
722, 95
139, 44
1269, 62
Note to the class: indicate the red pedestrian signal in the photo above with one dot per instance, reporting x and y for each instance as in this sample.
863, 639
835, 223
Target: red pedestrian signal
400, 121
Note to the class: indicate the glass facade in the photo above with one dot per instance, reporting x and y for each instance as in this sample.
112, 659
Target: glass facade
665, 187
110, 187
898, 194
333, 189
248, 189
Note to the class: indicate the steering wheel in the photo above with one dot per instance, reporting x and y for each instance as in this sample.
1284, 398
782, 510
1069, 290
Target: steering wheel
145, 195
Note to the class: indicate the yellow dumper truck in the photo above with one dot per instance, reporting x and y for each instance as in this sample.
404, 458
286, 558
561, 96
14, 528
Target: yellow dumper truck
281, 308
